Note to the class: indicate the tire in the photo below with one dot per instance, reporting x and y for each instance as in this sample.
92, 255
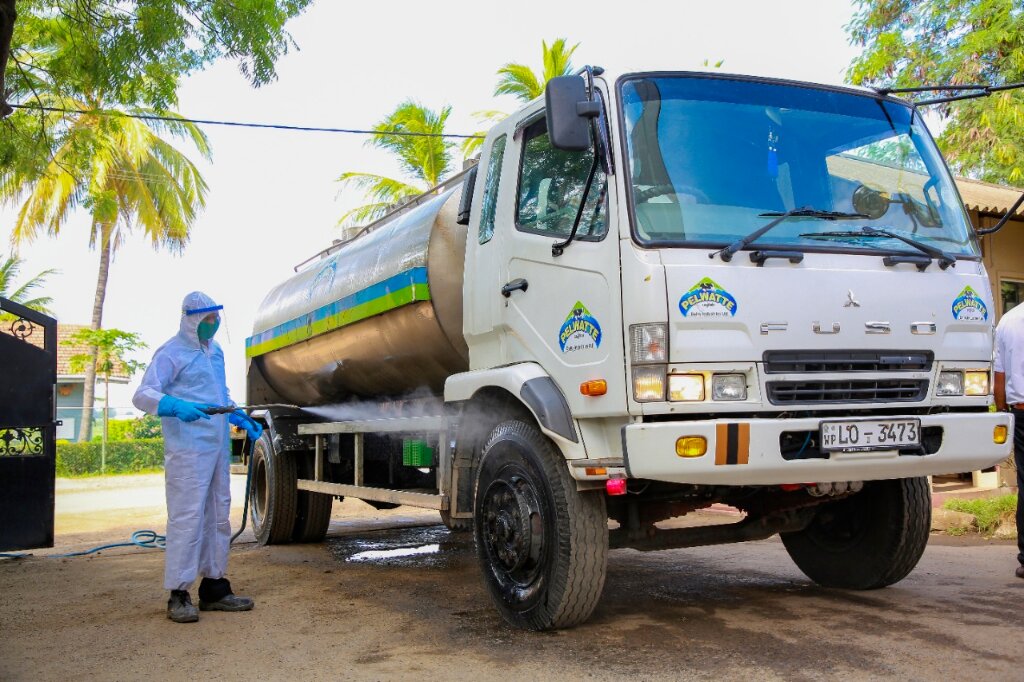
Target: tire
542, 545
456, 525
869, 540
312, 510
273, 493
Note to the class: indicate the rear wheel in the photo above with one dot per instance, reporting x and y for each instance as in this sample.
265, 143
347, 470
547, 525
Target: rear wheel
542, 545
273, 493
869, 540
312, 510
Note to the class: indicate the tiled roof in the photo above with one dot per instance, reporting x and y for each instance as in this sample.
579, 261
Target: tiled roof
986, 197
65, 351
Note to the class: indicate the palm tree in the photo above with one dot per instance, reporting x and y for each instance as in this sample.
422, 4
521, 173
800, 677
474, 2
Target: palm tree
521, 82
119, 169
426, 158
9, 268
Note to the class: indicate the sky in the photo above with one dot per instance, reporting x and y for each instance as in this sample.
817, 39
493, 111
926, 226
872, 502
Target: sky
273, 200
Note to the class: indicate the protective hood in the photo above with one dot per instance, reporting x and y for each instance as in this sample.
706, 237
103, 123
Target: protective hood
194, 308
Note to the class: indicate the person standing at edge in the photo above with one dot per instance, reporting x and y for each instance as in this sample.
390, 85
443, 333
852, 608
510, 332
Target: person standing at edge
1009, 394
185, 378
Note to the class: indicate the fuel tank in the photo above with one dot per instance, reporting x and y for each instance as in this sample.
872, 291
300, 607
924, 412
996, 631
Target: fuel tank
380, 317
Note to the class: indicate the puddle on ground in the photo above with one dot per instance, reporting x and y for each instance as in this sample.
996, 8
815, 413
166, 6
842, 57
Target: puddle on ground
376, 554
429, 546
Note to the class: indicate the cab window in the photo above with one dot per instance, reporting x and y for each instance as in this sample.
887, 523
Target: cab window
490, 200
551, 185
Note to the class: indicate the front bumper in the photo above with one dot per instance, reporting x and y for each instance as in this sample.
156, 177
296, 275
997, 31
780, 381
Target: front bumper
650, 452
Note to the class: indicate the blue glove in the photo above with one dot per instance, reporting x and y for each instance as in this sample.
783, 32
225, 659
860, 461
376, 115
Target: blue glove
243, 421
186, 411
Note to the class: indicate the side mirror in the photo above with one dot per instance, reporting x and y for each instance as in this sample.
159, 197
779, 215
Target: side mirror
569, 110
466, 200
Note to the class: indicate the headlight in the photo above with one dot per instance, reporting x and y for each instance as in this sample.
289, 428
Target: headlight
976, 382
729, 387
950, 383
648, 343
686, 387
648, 384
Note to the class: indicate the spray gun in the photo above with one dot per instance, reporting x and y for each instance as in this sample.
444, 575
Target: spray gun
228, 409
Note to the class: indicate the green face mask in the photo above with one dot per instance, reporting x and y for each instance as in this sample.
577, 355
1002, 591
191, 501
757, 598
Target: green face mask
206, 330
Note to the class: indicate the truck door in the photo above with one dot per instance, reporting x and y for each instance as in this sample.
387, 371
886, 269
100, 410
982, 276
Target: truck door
562, 311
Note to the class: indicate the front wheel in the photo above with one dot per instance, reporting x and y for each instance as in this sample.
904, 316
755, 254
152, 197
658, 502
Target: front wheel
542, 545
869, 540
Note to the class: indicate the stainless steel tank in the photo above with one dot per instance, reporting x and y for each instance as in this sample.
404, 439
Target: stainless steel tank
380, 317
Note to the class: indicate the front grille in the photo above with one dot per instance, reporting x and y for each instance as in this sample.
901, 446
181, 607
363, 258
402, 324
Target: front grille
867, 391
813, 361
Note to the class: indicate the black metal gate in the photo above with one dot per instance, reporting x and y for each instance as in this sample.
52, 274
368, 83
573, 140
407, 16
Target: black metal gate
28, 427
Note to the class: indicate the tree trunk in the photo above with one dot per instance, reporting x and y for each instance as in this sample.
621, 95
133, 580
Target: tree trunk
7, 17
89, 391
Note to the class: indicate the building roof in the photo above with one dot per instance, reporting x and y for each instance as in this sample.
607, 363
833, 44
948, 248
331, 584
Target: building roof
66, 351
985, 197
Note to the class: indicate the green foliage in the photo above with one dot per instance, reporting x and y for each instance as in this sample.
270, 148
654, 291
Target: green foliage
989, 511
121, 170
427, 159
138, 50
131, 429
934, 42
134, 456
9, 268
112, 349
148, 426
520, 81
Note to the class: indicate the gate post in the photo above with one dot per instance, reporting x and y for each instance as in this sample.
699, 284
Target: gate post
28, 426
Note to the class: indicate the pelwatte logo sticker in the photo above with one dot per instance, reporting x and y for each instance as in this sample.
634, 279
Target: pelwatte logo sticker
969, 307
580, 331
707, 299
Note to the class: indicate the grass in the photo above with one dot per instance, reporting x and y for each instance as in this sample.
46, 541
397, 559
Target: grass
989, 511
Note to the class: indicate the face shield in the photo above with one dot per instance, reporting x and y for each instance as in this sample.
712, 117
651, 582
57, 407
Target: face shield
210, 319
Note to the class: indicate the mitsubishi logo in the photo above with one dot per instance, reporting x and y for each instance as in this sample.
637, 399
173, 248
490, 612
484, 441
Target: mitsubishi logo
851, 301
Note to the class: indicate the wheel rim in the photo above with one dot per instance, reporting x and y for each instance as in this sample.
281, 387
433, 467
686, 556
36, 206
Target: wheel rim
841, 525
513, 535
260, 492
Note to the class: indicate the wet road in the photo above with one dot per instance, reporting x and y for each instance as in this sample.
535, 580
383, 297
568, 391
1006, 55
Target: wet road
738, 611
410, 604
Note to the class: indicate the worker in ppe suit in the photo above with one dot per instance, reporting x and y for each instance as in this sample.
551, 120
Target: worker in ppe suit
185, 378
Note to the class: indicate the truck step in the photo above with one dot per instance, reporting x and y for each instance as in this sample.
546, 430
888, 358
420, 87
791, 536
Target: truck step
361, 492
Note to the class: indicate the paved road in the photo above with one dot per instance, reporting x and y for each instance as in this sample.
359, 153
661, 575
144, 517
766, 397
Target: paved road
409, 604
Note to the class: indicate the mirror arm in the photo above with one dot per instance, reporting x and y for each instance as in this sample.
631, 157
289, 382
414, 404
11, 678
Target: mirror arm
1002, 221
558, 248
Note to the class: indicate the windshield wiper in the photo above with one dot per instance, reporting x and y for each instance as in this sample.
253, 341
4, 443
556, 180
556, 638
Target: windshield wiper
803, 212
945, 259
815, 213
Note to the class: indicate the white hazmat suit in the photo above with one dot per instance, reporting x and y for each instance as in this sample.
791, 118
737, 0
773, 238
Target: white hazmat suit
196, 454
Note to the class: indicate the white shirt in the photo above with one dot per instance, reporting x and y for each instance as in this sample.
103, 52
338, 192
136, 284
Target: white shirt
1010, 353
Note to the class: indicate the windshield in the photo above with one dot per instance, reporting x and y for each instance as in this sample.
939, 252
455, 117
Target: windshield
712, 160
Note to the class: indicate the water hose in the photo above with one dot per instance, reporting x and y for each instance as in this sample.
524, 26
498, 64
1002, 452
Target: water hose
147, 539
248, 486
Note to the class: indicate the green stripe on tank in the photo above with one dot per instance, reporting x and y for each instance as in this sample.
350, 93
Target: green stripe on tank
382, 304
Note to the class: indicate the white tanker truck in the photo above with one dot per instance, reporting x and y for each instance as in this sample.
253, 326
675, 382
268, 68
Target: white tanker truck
656, 292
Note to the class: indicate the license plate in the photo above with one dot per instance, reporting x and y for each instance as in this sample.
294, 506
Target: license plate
870, 434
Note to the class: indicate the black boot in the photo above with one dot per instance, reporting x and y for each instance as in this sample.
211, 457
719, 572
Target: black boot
180, 608
215, 595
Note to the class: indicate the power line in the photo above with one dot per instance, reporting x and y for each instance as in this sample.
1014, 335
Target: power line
240, 124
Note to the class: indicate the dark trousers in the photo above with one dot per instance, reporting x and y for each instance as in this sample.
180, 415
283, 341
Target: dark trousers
1018, 458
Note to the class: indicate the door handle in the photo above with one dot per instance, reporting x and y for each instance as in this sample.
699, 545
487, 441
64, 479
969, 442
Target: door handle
520, 284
